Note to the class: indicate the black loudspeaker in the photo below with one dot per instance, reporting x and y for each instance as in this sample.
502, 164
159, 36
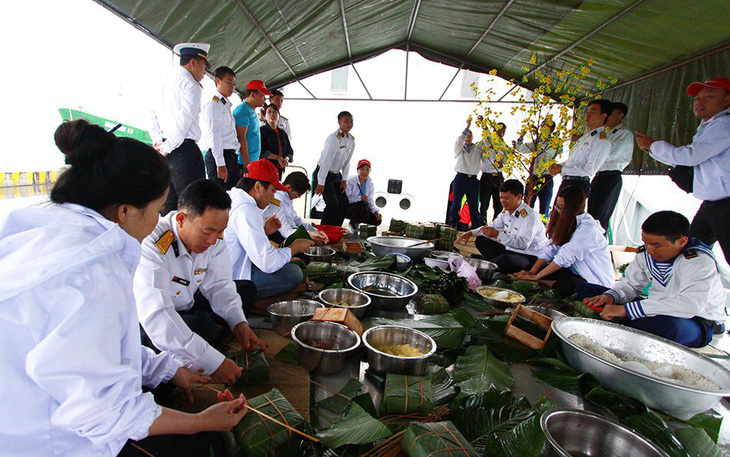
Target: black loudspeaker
395, 186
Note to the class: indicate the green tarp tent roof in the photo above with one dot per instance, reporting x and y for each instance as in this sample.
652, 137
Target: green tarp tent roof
653, 47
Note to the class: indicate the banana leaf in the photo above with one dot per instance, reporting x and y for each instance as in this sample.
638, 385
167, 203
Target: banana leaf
338, 403
653, 427
382, 262
357, 427
299, 233
404, 394
436, 439
258, 436
288, 354
710, 421
582, 309
441, 384
478, 303
443, 328
698, 443
479, 370
255, 367
562, 376
319, 270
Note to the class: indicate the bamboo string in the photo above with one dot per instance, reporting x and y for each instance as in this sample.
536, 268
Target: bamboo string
336, 392
288, 427
141, 450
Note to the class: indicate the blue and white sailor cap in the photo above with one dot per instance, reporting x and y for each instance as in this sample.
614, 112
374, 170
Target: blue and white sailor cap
192, 49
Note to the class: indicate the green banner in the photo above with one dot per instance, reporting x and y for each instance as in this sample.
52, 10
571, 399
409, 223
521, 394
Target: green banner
126, 131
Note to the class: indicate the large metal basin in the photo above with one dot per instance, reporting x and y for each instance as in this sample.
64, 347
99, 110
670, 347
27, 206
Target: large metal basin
677, 400
383, 245
485, 268
572, 433
344, 343
357, 302
320, 254
388, 291
286, 314
381, 362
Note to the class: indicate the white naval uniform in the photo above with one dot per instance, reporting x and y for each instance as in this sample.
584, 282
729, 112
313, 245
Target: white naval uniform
468, 158
336, 156
587, 154
290, 220
547, 154
355, 191
176, 110
586, 254
708, 154
284, 125
72, 363
687, 287
522, 231
621, 150
219, 128
488, 158
247, 241
165, 283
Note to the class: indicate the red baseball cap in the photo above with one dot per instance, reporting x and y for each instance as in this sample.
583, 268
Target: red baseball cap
364, 162
722, 83
257, 84
264, 170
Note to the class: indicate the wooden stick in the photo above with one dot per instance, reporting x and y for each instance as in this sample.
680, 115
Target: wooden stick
289, 427
353, 296
424, 242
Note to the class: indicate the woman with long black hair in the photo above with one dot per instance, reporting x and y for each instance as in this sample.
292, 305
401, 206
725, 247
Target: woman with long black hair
72, 363
577, 251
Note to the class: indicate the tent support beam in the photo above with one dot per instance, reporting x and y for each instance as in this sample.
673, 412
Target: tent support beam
271, 44
405, 78
450, 82
393, 100
349, 49
412, 22
586, 37
491, 25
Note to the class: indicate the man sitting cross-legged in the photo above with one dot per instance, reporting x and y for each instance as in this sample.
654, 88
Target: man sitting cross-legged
686, 300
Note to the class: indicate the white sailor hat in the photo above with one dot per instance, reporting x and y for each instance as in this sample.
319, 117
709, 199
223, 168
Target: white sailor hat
192, 49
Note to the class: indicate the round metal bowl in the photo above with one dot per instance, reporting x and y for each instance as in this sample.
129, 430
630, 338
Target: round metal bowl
552, 313
678, 400
356, 303
320, 253
444, 255
383, 245
572, 433
387, 291
286, 314
500, 303
485, 268
341, 339
381, 362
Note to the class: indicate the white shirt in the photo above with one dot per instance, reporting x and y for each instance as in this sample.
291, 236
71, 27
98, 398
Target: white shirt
219, 127
72, 363
521, 231
176, 110
336, 156
689, 287
247, 240
165, 283
290, 220
547, 154
284, 125
468, 157
489, 158
708, 154
622, 149
586, 254
355, 191
587, 154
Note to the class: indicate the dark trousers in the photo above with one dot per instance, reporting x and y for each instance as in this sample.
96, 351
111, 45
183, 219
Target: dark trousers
712, 223
198, 445
496, 252
359, 213
489, 185
584, 185
566, 282
544, 193
334, 197
694, 333
469, 186
234, 169
605, 190
186, 166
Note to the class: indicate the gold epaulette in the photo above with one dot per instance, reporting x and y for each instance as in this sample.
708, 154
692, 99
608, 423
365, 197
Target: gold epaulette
163, 243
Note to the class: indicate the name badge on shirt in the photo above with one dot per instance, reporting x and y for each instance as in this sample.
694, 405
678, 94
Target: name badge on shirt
200, 271
179, 280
